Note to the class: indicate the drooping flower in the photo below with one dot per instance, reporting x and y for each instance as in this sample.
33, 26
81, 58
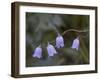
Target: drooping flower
75, 44
51, 50
38, 52
59, 41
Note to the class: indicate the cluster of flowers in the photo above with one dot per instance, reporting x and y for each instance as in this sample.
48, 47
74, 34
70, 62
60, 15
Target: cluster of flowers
51, 49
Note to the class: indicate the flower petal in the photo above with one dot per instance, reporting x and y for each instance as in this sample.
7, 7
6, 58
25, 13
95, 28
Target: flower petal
38, 52
51, 50
59, 41
75, 44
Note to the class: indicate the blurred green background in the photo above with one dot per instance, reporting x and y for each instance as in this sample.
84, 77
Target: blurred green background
43, 27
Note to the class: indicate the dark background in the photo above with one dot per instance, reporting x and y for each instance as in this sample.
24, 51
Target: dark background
43, 27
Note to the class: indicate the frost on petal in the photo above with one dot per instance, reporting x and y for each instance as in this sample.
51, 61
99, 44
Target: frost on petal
51, 50
38, 52
75, 44
59, 41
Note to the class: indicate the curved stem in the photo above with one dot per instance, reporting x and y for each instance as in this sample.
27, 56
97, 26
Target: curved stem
74, 31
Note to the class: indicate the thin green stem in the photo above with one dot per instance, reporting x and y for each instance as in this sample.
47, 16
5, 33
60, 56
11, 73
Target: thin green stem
80, 31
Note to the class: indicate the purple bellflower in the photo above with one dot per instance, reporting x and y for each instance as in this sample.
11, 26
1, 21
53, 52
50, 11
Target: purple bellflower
75, 44
38, 52
59, 41
51, 50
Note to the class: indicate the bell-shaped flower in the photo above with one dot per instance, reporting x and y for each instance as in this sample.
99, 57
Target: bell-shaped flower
75, 44
59, 41
38, 52
51, 50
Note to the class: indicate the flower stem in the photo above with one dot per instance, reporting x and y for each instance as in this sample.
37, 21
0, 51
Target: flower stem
80, 31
